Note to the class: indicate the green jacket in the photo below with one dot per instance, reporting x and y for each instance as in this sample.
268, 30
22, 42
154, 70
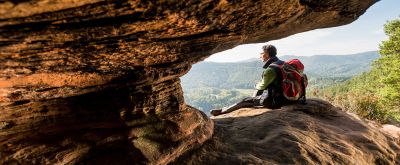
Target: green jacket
268, 77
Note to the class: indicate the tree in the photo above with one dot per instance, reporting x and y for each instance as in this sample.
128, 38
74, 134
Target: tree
388, 66
375, 94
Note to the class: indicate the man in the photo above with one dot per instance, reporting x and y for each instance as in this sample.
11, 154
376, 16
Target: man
269, 92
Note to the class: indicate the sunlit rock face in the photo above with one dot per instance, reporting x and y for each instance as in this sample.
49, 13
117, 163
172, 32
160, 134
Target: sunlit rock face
316, 133
95, 81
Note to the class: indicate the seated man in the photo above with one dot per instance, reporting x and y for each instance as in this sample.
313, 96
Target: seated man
269, 92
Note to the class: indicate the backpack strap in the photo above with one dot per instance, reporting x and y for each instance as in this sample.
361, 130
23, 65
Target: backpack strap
302, 99
278, 71
277, 67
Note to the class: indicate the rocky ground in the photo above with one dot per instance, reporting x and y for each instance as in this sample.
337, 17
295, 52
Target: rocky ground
317, 133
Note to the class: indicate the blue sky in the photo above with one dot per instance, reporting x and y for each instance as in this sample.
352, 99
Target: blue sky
364, 34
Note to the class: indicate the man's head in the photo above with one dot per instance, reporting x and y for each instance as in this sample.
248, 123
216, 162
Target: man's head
269, 51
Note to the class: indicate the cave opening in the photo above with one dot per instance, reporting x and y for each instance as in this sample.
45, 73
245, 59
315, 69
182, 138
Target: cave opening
84, 77
331, 56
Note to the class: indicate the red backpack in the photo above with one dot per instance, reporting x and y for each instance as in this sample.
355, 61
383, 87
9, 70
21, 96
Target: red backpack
294, 82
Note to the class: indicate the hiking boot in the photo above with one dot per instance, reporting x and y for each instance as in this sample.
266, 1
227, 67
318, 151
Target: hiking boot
216, 112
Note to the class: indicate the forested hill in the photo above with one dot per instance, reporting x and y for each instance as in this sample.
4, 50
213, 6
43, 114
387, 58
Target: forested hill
212, 85
245, 74
337, 65
332, 65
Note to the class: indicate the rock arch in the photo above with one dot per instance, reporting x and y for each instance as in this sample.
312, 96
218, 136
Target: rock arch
98, 81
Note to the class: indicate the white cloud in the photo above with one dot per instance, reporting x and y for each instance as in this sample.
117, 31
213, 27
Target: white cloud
378, 31
364, 34
285, 46
305, 37
302, 41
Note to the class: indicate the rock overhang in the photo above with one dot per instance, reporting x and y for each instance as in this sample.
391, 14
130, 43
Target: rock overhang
109, 65
97, 42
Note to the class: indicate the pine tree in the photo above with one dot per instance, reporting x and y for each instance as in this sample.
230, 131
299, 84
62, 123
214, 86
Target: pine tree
376, 94
389, 66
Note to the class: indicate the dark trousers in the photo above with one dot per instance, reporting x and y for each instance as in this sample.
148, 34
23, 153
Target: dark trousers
245, 103
259, 98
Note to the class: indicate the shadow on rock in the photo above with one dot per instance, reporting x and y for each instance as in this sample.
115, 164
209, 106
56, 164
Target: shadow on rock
316, 133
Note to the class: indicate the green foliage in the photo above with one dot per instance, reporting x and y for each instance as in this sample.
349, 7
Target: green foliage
388, 65
214, 85
207, 98
376, 94
326, 69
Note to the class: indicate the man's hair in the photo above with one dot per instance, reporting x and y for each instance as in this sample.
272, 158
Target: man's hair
270, 49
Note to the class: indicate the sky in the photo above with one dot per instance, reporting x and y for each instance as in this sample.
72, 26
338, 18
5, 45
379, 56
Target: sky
364, 34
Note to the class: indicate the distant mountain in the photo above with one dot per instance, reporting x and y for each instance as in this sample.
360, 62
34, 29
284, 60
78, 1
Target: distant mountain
209, 84
327, 65
244, 74
337, 65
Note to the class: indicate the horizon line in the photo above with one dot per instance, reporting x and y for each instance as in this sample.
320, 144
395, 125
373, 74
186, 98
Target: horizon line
253, 58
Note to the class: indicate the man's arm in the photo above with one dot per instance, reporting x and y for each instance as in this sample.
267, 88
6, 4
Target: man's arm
268, 77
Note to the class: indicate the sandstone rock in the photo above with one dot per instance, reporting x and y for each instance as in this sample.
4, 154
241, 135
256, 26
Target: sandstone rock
98, 81
293, 135
103, 127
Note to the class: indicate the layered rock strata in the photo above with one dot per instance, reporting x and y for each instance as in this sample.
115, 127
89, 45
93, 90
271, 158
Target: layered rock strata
95, 81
